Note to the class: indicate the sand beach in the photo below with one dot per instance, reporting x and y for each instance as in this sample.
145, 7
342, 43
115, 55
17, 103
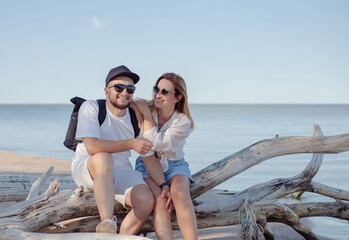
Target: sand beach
19, 164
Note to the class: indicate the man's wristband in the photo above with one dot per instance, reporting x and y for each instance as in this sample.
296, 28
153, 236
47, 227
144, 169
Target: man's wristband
164, 184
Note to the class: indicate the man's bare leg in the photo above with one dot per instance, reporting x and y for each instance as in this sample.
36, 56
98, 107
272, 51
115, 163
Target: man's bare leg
100, 167
141, 200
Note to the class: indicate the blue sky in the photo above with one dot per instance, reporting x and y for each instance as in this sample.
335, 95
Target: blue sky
227, 51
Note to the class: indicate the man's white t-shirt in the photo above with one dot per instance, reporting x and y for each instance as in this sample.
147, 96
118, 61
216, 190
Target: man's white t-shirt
113, 128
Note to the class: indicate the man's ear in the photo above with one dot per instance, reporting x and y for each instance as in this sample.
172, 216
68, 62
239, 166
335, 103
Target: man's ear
106, 91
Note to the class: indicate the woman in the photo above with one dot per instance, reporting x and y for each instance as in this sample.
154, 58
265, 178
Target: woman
167, 124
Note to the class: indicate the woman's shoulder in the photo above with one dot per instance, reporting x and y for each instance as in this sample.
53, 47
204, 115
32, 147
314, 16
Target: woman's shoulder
181, 118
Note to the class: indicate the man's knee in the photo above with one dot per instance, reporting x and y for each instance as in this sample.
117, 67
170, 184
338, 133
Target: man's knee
143, 198
100, 162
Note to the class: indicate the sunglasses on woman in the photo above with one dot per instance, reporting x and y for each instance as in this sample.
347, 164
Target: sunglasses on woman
163, 91
120, 87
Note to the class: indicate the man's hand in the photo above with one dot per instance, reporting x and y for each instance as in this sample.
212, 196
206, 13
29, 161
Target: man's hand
141, 145
165, 193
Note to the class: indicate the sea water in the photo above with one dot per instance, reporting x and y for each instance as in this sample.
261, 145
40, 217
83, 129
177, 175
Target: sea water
220, 130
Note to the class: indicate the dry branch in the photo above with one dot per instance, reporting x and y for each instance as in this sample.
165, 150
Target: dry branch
21, 219
16, 188
49, 207
236, 163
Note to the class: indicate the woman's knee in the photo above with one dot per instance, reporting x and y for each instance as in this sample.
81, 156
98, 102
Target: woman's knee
179, 195
180, 189
160, 203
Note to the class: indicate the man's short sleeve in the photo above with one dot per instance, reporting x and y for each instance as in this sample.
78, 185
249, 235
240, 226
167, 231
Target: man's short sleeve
88, 125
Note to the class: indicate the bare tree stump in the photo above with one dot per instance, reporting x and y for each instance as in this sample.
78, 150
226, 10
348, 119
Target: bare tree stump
40, 211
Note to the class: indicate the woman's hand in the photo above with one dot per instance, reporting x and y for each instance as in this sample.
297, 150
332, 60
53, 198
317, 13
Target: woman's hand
165, 193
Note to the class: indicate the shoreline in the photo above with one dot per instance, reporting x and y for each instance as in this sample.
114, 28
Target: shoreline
19, 164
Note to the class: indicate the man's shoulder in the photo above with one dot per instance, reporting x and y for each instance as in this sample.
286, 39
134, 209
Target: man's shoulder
90, 104
89, 107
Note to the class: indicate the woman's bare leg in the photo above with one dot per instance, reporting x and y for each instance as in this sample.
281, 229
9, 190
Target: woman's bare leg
184, 207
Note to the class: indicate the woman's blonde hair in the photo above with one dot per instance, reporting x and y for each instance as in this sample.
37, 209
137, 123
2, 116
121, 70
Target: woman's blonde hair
181, 89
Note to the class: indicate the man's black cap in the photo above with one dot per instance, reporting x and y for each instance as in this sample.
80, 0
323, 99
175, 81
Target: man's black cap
121, 71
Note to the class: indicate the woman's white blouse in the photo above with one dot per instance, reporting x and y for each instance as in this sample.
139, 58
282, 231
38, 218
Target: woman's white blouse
168, 142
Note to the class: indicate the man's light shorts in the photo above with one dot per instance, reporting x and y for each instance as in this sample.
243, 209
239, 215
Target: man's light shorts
125, 178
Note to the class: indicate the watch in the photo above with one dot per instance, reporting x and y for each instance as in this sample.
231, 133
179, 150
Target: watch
164, 184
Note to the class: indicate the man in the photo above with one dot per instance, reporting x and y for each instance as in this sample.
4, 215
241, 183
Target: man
101, 161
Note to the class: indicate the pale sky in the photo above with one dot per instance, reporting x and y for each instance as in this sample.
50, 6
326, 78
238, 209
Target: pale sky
227, 51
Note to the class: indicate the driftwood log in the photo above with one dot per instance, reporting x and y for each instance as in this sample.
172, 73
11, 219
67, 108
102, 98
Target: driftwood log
40, 211
16, 188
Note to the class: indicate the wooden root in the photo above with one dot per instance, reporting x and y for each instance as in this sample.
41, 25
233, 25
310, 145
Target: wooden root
21, 219
40, 211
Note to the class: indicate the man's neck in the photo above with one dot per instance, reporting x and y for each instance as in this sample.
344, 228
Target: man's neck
116, 111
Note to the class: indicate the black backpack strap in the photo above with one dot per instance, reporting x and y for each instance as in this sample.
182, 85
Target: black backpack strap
102, 113
134, 122
77, 101
70, 141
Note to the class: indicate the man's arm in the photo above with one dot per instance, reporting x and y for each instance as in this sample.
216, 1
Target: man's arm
95, 145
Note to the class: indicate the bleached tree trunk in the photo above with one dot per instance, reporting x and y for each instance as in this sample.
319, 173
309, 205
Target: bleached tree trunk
21, 219
216, 173
40, 211
236, 163
16, 188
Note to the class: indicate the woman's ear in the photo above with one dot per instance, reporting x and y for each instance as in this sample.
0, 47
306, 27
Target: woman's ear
179, 98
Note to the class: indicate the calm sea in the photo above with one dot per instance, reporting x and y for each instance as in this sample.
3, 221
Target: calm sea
220, 130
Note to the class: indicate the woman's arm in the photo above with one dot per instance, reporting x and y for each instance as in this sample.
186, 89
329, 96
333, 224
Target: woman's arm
154, 169
139, 116
144, 110
173, 138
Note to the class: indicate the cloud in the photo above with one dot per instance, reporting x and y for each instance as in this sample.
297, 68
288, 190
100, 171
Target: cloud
98, 24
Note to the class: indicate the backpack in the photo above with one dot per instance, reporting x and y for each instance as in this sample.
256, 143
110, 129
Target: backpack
70, 141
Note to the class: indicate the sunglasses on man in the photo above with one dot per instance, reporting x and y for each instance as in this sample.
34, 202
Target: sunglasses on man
163, 91
120, 87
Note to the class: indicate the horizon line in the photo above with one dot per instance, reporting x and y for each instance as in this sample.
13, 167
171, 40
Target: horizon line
230, 103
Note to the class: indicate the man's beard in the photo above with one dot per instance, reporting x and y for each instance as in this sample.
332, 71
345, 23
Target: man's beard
118, 106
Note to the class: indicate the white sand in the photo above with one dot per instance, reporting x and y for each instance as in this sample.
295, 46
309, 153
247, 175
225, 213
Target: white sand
19, 163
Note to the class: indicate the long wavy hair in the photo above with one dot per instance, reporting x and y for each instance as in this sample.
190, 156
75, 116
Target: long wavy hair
180, 89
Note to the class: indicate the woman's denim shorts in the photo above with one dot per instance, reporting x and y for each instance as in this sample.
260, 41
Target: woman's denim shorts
178, 167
